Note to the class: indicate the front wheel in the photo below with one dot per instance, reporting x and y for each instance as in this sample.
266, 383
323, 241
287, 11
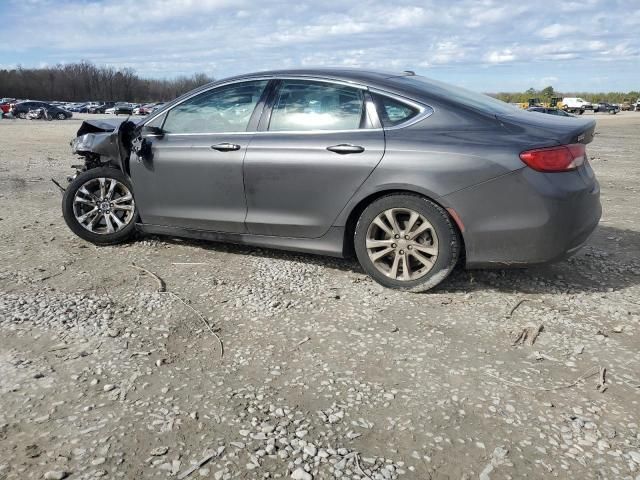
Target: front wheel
407, 242
61, 116
99, 207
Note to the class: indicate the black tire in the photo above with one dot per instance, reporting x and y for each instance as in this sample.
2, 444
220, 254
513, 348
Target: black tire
22, 115
449, 242
61, 116
119, 236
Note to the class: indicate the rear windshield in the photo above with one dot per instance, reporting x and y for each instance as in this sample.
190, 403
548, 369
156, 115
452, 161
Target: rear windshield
477, 101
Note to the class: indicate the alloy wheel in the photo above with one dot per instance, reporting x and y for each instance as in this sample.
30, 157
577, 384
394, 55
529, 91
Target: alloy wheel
402, 244
103, 205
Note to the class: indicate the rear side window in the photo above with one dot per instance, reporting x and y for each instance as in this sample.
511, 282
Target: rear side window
393, 112
303, 105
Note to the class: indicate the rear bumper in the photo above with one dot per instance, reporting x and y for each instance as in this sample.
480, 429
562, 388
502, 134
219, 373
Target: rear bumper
527, 218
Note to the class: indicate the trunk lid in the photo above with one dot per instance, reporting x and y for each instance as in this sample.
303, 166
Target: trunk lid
549, 129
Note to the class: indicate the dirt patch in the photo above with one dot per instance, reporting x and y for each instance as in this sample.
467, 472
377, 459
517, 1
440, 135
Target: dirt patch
324, 371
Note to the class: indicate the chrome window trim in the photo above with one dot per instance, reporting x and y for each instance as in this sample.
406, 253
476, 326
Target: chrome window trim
424, 110
262, 132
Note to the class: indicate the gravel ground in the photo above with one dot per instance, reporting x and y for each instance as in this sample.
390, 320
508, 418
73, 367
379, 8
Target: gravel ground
324, 373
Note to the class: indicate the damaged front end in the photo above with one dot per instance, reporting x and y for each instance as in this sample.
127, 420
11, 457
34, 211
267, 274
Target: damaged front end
104, 143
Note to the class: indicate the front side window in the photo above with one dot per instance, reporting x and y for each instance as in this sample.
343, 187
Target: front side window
223, 109
393, 112
302, 105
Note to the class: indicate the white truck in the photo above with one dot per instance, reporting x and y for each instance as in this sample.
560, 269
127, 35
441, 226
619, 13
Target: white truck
576, 105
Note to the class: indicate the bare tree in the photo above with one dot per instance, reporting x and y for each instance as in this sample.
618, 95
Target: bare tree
85, 81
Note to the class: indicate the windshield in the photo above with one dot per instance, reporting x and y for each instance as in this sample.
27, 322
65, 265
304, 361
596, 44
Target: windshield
477, 101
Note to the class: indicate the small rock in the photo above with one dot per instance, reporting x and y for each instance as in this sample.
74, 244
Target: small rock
300, 474
159, 451
56, 475
310, 450
108, 387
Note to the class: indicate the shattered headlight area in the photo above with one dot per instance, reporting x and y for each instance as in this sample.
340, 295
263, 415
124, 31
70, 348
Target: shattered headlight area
83, 143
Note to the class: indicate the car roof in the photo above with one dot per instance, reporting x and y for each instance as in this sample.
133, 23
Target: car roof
384, 80
374, 78
341, 73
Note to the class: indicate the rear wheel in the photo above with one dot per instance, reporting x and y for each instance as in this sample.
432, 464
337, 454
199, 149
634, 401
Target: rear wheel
407, 242
98, 206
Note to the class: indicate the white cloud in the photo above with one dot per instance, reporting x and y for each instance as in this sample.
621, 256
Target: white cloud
556, 30
224, 37
502, 56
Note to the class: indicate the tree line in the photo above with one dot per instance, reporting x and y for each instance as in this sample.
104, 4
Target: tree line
548, 92
84, 81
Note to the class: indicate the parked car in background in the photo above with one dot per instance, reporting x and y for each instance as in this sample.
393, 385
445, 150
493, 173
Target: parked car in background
156, 106
90, 107
139, 110
22, 109
576, 105
145, 109
550, 111
636, 106
78, 107
5, 105
335, 161
101, 107
120, 108
58, 113
626, 105
604, 107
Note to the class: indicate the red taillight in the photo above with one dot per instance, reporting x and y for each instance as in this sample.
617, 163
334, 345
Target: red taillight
555, 159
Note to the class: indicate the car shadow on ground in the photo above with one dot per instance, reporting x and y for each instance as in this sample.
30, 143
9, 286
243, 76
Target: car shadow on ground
609, 260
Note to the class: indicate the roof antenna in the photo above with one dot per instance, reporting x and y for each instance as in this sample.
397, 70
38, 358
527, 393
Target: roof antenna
409, 72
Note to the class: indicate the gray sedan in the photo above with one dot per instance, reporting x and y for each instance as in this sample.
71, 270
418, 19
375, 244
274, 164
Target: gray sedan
410, 174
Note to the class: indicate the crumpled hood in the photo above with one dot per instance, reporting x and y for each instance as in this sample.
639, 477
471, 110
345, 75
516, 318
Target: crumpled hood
102, 125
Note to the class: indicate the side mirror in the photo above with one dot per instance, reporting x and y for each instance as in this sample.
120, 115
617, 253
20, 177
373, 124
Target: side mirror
149, 131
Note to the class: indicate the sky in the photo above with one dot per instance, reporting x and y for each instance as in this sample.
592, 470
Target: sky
485, 45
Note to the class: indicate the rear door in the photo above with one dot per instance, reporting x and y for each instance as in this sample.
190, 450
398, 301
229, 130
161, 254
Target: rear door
193, 177
317, 143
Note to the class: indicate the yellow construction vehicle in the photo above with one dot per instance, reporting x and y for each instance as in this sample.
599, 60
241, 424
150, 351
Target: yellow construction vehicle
556, 102
532, 102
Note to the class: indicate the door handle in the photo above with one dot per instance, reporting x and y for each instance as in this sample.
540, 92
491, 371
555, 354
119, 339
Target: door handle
345, 148
226, 147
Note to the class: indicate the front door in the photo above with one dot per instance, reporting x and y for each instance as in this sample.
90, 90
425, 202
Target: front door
194, 177
317, 147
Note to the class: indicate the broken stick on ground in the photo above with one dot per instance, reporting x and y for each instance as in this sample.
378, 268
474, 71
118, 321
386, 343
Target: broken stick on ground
162, 287
602, 381
528, 335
